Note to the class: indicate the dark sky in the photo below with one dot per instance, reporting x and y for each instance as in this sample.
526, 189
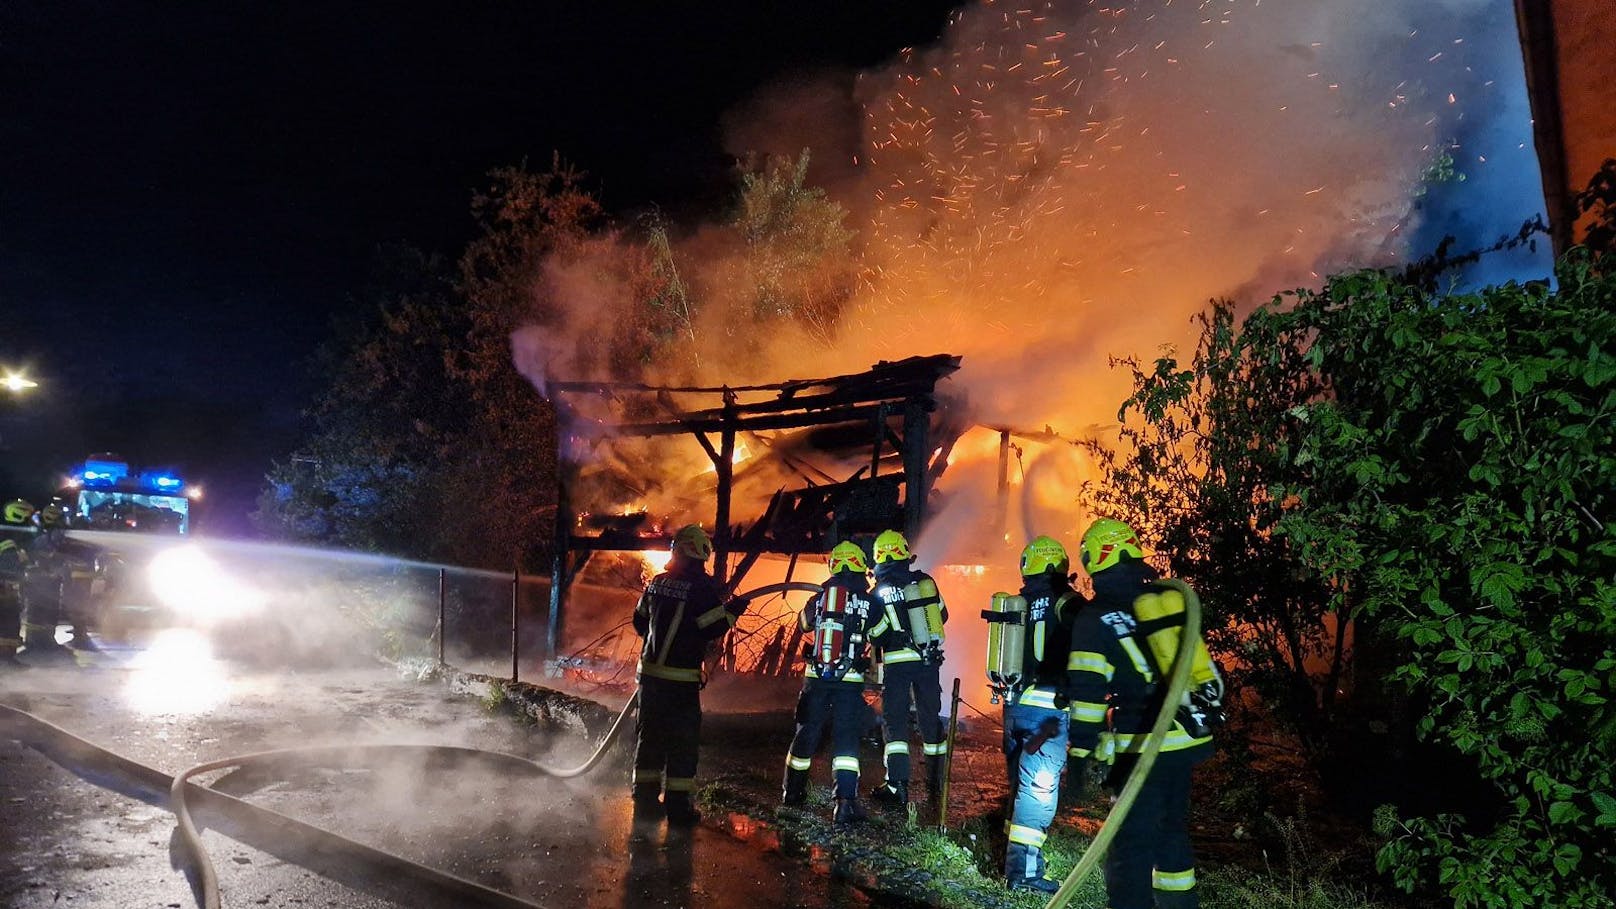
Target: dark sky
190, 191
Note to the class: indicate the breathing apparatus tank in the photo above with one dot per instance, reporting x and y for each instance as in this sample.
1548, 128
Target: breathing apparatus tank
1007, 643
924, 616
1161, 620
834, 646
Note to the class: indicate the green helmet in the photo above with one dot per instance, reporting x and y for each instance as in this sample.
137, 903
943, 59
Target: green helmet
691, 542
1043, 554
18, 511
1106, 542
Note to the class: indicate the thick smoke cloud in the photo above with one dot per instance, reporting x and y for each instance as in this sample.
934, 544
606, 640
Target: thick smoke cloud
1055, 183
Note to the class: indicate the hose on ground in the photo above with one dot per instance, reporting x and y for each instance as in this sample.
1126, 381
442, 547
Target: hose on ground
1188, 639
189, 839
194, 854
363, 868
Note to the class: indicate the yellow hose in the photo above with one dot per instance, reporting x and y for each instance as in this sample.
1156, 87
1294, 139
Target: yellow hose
1179, 683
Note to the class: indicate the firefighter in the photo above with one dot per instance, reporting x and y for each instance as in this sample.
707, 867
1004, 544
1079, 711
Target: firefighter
79, 570
44, 580
911, 658
1035, 713
18, 516
681, 611
1117, 658
840, 621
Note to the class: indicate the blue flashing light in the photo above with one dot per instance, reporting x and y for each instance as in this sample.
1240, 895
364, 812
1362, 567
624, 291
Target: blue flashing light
167, 482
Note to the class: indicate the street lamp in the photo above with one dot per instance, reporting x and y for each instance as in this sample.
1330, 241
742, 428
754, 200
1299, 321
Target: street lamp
17, 383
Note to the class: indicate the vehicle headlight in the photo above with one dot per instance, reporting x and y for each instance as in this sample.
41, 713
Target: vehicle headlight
189, 581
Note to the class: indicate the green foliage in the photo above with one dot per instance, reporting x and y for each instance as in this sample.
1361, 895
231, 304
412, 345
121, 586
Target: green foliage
1200, 451
797, 247
1441, 471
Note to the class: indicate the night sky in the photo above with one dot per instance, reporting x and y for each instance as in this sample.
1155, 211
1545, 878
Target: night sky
189, 193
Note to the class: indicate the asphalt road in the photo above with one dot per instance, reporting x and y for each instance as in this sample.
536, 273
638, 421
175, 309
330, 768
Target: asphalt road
64, 841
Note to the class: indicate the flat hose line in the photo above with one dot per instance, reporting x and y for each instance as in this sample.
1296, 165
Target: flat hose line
1189, 638
189, 839
353, 864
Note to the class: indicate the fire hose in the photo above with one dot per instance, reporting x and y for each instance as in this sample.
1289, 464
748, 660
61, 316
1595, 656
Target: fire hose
1179, 682
354, 864
189, 839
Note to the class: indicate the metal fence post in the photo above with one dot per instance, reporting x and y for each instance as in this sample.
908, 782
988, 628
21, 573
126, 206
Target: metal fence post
516, 580
443, 625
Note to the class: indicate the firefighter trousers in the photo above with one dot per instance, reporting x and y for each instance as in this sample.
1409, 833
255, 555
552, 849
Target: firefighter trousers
1036, 776
41, 609
669, 735
842, 703
1150, 863
10, 619
900, 683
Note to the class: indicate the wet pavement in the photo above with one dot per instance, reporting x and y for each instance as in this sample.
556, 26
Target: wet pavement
64, 841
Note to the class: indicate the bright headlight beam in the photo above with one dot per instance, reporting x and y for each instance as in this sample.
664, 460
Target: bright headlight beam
187, 580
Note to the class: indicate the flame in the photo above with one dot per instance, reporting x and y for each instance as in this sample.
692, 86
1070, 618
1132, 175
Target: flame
656, 560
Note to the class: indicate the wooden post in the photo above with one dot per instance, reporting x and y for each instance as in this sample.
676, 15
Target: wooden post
1002, 519
948, 757
916, 482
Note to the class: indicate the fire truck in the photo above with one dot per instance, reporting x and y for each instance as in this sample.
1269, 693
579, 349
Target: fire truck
104, 493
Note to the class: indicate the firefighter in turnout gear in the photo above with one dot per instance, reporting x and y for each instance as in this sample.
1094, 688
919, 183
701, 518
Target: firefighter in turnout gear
911, 659
840, 622
44, 582
1035, 709
18, 517
680, 613
58, 586
1122, 652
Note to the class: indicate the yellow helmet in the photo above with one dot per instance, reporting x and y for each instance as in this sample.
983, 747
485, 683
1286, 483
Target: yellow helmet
1106, 542
53, 515
848, 556
691, 542
890, 546
1044, 554
18, 511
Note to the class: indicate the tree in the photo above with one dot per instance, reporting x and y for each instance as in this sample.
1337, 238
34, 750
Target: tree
1198, 454
371, 474
797, 259
1444, 468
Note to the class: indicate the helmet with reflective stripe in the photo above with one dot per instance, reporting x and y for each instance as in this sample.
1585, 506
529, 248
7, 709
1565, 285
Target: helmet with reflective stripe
890, 546
847, 556
1044, 554
691, 542
18, 511
53, 515
1106, 542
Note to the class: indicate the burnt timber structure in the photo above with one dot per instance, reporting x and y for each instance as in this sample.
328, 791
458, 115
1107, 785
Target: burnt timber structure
889, 408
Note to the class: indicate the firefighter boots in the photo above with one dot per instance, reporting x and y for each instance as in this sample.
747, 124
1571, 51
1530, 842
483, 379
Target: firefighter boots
849, 811
1024, 869
796, 788
647, 801
892, 795
681, 813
